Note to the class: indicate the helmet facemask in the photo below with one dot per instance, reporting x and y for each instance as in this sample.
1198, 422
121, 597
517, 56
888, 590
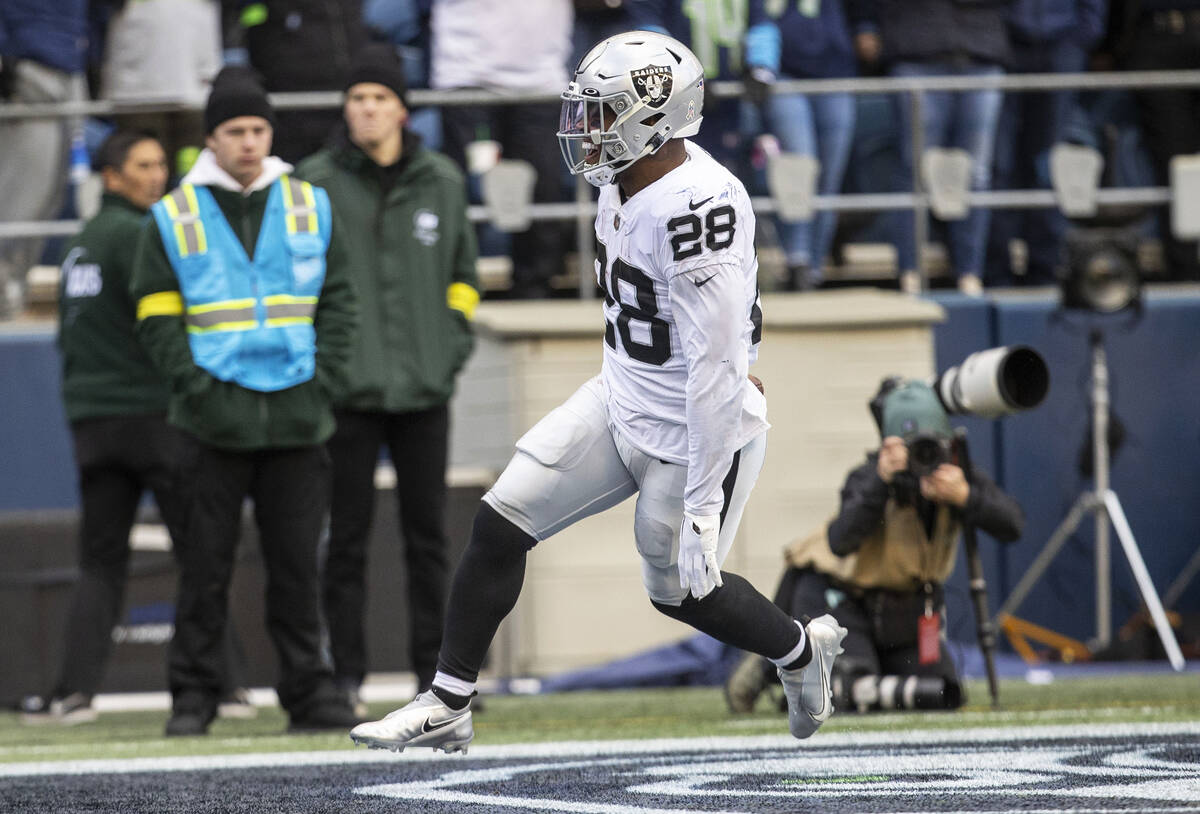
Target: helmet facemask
589, 134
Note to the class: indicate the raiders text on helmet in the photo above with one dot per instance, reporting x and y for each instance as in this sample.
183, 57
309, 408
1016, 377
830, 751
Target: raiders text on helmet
630, 95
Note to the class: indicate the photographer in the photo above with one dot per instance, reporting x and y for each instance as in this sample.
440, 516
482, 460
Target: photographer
879, 565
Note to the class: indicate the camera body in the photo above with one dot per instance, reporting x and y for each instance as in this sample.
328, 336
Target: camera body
927, 451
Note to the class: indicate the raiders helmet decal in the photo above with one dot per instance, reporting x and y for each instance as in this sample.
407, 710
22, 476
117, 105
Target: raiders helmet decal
653, 83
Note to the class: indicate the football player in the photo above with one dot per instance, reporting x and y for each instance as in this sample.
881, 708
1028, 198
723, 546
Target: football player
673, 416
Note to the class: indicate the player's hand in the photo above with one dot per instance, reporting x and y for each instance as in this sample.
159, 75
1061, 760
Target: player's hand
946, 484
698, 569
893, 458
757, 382
758, 81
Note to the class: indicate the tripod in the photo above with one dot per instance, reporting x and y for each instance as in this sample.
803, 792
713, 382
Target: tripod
985, 630
1103, 502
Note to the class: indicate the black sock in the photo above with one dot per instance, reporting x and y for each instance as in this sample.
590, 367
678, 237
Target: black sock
452, 700
738, 614
804, 658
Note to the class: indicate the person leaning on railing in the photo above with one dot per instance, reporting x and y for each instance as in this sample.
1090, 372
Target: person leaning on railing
42, 49
921, 38
1154, 35
793, 41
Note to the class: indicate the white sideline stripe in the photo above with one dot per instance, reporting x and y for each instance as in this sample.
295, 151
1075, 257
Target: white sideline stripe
590, 749
379, 687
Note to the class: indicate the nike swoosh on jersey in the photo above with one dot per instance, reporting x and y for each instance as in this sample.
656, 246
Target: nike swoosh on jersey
700, 283
694, 206
429, 726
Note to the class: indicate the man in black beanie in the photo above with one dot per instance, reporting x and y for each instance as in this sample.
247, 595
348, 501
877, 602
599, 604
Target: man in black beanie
412, 254
245, 307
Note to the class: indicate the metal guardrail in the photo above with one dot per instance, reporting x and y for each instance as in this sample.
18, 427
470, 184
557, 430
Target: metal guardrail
583, 208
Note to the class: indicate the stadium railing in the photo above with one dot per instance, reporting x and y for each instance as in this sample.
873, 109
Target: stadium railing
583, 207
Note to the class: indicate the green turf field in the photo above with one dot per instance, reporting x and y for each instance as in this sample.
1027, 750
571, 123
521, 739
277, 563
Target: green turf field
625, 714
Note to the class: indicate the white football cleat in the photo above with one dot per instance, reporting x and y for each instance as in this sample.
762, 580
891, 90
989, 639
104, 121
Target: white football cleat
424, 721
809, 691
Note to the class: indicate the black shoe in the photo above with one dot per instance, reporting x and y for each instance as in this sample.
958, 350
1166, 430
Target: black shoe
324, 715
185, 722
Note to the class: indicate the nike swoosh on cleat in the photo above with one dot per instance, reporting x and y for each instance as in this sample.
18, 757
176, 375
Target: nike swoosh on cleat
694, 206
428, 725
824, 683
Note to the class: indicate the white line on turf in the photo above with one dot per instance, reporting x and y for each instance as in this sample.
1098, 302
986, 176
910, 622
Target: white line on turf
568, 749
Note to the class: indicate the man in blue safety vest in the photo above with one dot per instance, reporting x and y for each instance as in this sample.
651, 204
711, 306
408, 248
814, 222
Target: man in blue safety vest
245, 308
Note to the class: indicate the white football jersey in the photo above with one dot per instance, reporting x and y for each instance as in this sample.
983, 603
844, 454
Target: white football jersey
682, 320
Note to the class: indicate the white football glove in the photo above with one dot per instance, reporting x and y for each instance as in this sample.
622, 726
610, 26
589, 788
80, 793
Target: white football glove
698, 569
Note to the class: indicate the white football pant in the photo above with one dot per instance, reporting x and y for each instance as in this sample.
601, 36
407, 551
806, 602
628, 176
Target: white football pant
572, 464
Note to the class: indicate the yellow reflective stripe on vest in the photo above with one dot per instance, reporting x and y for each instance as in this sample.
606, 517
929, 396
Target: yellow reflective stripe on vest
301, 206
224, 315
161, 304
289, 309
464, 298
184, 210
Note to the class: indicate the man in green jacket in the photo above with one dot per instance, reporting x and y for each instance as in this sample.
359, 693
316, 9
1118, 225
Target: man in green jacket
413, 261
116, 405
245, 308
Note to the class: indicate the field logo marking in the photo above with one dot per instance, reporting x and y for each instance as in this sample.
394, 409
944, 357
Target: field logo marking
916, 773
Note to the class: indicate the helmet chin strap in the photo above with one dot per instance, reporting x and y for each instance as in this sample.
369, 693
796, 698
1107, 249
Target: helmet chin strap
601, 177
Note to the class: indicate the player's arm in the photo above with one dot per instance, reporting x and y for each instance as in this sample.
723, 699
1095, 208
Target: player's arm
707, 304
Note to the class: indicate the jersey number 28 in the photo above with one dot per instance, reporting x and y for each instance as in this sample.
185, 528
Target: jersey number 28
687, 233
645, 310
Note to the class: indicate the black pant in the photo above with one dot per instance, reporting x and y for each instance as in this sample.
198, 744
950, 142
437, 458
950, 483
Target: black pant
1170, 117
417, 442
290, 489
526, 132
870, 649
119, 458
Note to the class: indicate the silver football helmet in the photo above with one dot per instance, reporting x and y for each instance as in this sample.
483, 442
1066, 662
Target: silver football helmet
630, 94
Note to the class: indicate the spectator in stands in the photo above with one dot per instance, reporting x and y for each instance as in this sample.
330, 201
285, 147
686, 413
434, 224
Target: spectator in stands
164, 51
1151, 35
1048, 36
918, 38
411, 254
117, 406
596, 20
509, 48
804, 40
878, 567
299, 45
42, 53
714, 32
246, 309
405, 24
